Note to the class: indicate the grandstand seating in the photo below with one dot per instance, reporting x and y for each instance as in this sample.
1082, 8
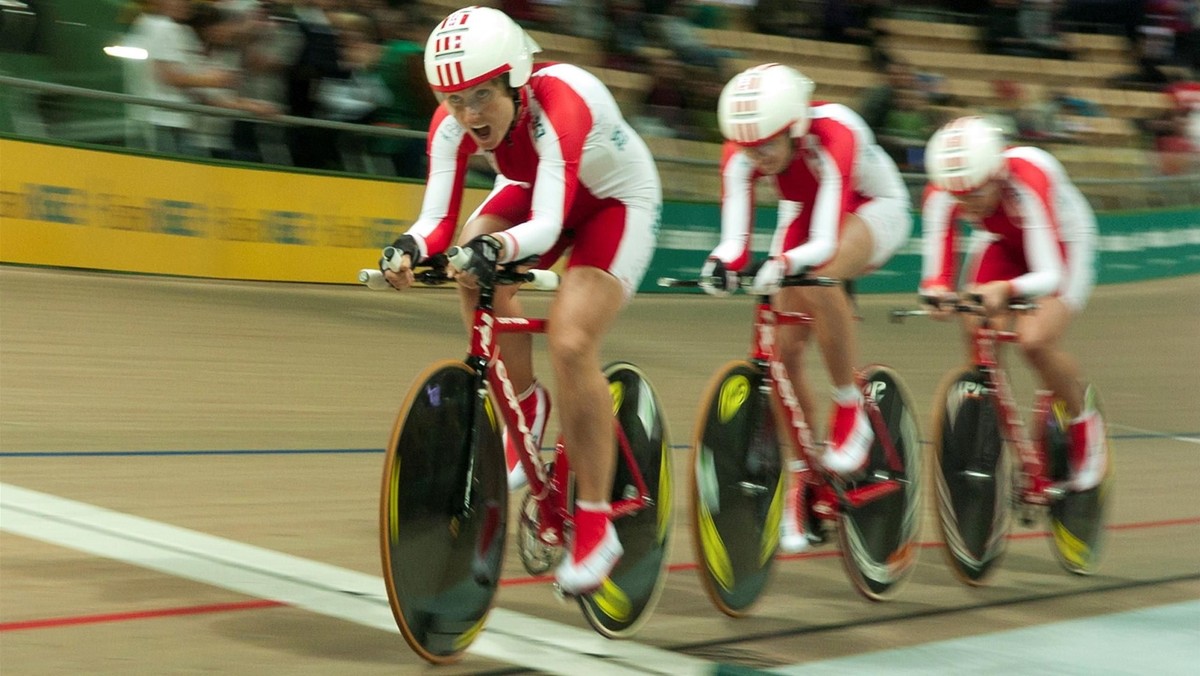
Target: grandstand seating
842, 73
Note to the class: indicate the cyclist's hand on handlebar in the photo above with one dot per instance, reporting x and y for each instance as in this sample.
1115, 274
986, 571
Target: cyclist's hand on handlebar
770, 276
397, 269
995, 296
940, 301
716, 279
485, 250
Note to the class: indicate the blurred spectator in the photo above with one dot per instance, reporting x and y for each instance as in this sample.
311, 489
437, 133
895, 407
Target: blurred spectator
270, 44
169, 73
359, 93
1024, 28
1175, 134
626, 41
222, 31
318, 57
783, 17
879, 100
683, 37
907, 127
851, 21
402, 67
905, 110
1152, 48
663, 111
1027, 117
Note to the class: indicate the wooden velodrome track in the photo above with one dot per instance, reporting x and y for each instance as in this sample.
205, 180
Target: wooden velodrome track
184, 407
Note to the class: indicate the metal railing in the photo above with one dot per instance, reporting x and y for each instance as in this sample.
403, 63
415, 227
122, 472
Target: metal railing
684, 178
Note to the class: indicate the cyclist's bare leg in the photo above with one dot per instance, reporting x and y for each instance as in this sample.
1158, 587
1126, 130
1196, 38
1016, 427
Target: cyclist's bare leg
1041, 332
790, 344
584, 308
517, 348
831, 307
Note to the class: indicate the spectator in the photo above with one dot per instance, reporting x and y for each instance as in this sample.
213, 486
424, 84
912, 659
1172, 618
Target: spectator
877, 101
683, 37
782, 17
167, 74
851, 21
1175, 134
1022, 116
221, 31
401, 65
317, 58
358, 93
663, 111
626, 42
270, 44
906, 128
1024, 28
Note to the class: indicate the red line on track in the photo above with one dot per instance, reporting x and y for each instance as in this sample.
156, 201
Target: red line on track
257, 604
261, 604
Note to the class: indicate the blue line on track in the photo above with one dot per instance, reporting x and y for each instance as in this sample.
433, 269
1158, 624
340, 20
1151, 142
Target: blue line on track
368, 451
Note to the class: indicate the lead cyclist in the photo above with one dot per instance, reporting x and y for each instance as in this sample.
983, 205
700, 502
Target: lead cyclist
573, 179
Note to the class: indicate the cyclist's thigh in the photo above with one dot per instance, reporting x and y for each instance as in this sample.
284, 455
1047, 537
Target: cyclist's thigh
1045, 326
619, 238
584, 308
854, 250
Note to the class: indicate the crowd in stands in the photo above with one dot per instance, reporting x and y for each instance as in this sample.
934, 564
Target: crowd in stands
360, 61
356, 61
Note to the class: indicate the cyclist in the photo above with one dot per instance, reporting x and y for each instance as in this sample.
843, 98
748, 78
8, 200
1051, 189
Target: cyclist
571, 175
1034, 237
843, 211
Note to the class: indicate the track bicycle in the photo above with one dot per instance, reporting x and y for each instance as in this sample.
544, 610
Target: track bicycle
739, 474
444, 499
978, 484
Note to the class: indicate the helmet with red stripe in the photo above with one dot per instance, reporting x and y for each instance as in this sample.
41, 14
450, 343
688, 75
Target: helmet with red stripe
965, 154
476, 44
760, 102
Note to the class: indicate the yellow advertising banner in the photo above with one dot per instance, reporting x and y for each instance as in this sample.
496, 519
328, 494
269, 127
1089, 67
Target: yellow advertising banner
77, 208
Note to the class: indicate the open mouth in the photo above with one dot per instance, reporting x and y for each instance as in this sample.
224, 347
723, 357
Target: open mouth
484, 133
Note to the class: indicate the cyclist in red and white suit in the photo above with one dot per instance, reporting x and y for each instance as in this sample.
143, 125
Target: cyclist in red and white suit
1034, 238
843, 211
572, 176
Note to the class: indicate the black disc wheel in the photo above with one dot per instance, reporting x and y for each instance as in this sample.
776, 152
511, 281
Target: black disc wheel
1078, 518
879, 536
738, 487
627, 598
971, 475
443, 512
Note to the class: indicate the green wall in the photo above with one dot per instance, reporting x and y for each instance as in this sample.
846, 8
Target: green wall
1132, 246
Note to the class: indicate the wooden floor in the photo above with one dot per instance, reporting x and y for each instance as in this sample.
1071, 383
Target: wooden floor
189, 404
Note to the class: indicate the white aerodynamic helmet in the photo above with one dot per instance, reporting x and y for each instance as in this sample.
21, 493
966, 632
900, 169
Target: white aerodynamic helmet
965, 154
476, 44
762, 101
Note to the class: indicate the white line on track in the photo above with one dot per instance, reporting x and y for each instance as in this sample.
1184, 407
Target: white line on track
510, 637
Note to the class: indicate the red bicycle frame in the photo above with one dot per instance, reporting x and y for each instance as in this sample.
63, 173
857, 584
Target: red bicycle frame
827, 494
549, 491
1035, 488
